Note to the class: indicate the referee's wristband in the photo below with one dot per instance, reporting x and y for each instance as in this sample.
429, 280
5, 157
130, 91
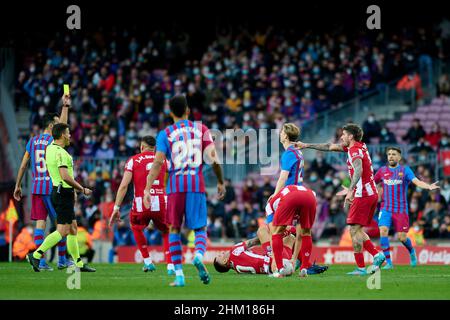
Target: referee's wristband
116, 208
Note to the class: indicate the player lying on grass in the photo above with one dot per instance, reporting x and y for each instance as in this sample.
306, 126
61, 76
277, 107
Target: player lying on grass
254, 255
136, 170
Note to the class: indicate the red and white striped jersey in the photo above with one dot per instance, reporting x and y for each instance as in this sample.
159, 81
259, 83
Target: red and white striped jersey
253, 260
366, 185
140, 165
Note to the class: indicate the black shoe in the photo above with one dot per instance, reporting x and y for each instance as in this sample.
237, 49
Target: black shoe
317, 269
86, 268
33, 261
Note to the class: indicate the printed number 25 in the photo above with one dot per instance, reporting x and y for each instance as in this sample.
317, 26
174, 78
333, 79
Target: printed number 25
189, 149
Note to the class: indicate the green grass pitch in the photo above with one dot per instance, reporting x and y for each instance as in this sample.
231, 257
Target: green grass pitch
127, 281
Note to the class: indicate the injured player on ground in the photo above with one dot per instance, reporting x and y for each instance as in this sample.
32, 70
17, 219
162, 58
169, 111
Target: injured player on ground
255, 256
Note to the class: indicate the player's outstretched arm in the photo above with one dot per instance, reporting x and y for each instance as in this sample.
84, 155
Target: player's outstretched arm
20, 174
121, 192
160, 157
320, 146
217, 168
66, 104
423, 185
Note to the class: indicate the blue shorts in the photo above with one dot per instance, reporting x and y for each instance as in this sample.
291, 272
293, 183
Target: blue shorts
188, 205
400, 220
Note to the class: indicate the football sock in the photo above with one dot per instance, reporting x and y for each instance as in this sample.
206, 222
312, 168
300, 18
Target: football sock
359, 258
368, 245
165, 237
38, 240
74, 250
148, 260
200, 243
277, 247
62, 249
306, 251
140, 240
384, 243
50, 241
408, 245
266, 247
176, 252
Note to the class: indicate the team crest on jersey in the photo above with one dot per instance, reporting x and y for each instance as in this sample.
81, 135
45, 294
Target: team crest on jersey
400, 174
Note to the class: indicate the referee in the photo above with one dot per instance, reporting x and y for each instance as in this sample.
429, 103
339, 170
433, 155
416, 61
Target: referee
60, 167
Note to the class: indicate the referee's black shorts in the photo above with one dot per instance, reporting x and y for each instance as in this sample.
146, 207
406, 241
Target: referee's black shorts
64, 204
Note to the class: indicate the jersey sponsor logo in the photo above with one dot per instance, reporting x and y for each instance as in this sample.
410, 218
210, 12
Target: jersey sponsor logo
393, 182
238, 250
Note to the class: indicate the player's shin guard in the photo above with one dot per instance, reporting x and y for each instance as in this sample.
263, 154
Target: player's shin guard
200, 243
384, 243
38, 240
277, 247
176, 252
306, 251
141, 241
50, 241
408, 245
62, 249
368, 245
74, 250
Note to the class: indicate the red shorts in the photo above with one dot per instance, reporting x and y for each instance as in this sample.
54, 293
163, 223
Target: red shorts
296, 205
41, 206
142, 219
362, 210
287, 252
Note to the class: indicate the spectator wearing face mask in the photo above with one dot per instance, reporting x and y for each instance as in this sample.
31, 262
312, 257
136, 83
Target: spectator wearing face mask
105, 151
415, 234
423, 147
414, 133
387, 137
320, 165
371, 128
444, 143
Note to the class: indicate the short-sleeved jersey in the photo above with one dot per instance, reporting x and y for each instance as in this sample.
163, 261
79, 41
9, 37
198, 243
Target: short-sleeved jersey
252, 260
55, 158
183, 144
395, 187
41, 182
366, 184
292, 161
140, 165
274, 202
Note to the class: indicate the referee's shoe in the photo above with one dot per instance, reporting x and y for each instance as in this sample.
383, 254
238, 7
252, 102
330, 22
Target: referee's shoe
86, 268
33, 261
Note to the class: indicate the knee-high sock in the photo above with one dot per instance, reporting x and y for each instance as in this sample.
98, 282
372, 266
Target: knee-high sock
165, 237
407, 243
359, 258
74, 250
277, 248
51, 240
176, 252
62, 249
266, 247
306, 251
384, 243
200, 243
368, 245
141, 241
38, 240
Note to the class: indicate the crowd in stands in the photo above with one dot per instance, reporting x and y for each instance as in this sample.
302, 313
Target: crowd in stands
121, 82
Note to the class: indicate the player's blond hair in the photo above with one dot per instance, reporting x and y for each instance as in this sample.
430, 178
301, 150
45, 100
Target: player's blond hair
292, 131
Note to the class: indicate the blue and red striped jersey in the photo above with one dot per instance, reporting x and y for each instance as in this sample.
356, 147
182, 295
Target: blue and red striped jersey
292, 161
41, 181
395, 187
183, 144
